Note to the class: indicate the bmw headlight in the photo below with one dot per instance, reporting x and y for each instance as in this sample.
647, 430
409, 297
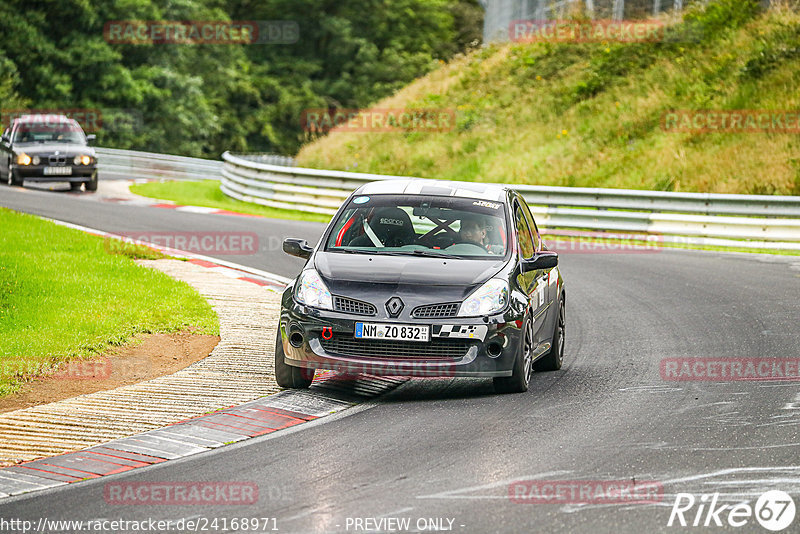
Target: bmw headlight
23, 159
82, 160
490, 298
311, 291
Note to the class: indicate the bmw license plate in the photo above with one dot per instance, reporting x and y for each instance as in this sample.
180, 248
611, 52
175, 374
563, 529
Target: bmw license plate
397, 332
58, 171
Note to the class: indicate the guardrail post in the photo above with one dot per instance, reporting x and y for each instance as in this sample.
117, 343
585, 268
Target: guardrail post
618, 9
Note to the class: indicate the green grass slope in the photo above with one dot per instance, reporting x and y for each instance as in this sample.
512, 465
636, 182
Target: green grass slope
590, 114
65, 294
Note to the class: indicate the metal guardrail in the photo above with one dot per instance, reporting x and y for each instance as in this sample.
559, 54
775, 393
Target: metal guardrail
748, 221
113, 163
270, 159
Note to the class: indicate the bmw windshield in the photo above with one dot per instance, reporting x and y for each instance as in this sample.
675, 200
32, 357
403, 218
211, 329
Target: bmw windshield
45, 132
417, 225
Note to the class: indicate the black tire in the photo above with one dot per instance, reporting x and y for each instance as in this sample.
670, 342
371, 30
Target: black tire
286, 375
13, 180
554, 359
91, 185
75, 186
523, 369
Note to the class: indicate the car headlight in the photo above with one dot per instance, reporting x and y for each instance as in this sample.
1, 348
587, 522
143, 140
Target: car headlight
311, 291
23, 159
82, 160
35, 160
490, 298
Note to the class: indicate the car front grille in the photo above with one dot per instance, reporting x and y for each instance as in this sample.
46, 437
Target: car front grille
356, 307
57, 161
436, 311
436, 349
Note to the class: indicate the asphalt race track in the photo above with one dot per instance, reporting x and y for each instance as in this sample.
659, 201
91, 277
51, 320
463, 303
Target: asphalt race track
445, 452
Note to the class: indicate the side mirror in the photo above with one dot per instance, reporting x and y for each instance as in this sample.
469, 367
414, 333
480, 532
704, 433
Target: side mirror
90, 138
297, 247
543, 260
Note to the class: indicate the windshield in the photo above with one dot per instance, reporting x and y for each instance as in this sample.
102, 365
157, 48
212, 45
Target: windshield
49, 132
421, 225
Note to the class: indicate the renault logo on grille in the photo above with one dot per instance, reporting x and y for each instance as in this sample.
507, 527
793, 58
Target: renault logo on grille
394, 306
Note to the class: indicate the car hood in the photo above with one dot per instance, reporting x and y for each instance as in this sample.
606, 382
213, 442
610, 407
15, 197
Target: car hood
49, 148
404, 269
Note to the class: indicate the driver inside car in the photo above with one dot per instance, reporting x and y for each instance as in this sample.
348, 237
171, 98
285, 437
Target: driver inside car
472, 231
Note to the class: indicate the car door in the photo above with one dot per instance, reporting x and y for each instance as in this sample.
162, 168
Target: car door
534, 283
549, 277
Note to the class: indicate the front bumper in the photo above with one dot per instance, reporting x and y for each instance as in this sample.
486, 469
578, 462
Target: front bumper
305, 346
35, 173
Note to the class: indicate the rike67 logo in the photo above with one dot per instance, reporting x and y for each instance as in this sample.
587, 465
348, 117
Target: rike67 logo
774, 510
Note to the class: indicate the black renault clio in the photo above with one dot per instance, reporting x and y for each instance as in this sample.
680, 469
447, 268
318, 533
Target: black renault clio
425, 278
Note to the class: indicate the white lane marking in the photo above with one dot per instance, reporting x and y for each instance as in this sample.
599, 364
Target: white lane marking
396, 512
455, 494
306, 513
731, 471
668, 497
258, 272
197, 209
653, 389
736, 448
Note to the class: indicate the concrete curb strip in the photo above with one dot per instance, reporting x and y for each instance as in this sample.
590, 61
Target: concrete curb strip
176, 415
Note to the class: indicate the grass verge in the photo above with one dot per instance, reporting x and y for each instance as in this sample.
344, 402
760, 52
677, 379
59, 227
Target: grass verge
64, 296
206, 193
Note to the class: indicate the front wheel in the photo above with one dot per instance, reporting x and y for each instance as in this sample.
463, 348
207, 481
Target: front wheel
12, 179
288, 376
555, 358
523, 365
91, 185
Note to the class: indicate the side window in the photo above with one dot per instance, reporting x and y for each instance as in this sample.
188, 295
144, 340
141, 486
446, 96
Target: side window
523, 233
534, 228
7, 133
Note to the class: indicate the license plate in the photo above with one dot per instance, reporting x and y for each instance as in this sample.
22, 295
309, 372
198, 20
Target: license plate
57, 171
397, 332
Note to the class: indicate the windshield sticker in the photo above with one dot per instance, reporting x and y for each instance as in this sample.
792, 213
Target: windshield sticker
361, 200
484, 204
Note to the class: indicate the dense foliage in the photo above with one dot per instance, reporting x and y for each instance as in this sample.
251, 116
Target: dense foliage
203, 99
